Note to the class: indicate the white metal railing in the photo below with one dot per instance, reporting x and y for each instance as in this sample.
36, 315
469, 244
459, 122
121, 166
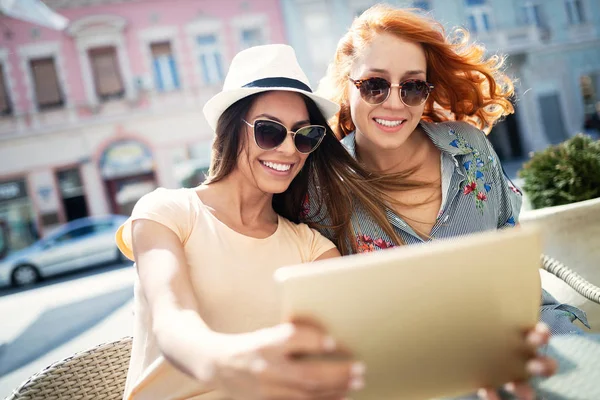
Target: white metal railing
514, 40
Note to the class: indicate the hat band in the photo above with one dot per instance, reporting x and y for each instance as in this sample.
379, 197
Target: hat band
278, 82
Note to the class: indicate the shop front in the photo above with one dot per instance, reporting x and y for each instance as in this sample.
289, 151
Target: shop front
18, 226
127, 168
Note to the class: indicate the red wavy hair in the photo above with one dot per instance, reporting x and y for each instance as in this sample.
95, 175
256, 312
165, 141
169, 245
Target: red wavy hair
468, 86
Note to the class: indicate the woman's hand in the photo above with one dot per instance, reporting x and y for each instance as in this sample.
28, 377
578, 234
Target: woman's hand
276, 363
537, 366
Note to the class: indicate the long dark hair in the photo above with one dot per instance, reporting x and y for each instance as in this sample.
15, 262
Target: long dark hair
342, 183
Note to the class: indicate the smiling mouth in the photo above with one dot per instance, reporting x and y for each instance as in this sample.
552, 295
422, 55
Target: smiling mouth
387, 123
277, 166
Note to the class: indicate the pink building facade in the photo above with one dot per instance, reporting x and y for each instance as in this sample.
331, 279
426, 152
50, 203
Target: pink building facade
95, 116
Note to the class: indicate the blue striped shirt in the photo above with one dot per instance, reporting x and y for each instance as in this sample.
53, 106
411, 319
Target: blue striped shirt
477, 196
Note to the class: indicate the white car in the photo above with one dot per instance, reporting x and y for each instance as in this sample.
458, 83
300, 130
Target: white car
78, 244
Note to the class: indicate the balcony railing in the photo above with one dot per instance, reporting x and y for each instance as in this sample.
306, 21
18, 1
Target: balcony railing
514, 40
582, 32
57, 119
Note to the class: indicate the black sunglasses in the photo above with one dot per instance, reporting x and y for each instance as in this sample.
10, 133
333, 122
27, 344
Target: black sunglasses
413, 92
269, 135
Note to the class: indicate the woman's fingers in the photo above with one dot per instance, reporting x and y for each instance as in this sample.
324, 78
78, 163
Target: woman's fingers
520, 390
488, 394
319, 378
542, 366
282, 392
309, 340
538, 336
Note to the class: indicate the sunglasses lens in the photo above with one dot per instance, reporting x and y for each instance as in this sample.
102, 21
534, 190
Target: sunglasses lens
308, 139
375, 90
269, 134
414, 92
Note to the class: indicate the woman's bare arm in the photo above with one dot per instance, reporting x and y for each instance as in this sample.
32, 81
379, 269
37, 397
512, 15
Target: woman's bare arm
183, 337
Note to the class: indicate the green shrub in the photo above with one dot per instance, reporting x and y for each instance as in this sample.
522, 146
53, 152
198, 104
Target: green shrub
564, 173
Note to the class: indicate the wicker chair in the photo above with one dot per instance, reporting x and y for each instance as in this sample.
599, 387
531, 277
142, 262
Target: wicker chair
98, 373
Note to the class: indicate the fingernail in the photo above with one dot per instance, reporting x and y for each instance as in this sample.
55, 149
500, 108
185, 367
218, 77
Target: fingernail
482, 394
357, 383
329, 343
535, 367
358, 370
543, 328
535, 339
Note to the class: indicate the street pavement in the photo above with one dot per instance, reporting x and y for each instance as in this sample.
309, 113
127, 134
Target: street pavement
52, 321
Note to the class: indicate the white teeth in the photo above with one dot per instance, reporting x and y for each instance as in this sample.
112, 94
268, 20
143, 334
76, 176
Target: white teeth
276, 166
391, 124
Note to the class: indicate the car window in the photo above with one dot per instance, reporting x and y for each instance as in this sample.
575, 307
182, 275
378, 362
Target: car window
103, 226
76, 233
3, 241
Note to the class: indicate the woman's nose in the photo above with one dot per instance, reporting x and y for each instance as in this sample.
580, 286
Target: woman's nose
288, 146
393, 101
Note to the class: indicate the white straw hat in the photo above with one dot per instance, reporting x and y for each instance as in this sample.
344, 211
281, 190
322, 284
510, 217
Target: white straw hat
261, 69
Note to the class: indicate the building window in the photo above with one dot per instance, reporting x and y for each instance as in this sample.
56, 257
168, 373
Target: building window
479, 16
164, 68
590, 93
319, 30
532, 13
17, 217
5, 106
211, 59
251, 37
72, 193
422, 5
575, 12
105, 69
45, 80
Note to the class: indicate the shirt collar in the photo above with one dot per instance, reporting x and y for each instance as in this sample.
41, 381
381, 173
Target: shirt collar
444, 137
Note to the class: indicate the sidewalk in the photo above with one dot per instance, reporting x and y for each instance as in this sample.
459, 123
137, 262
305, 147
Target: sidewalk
115, 326
49, 323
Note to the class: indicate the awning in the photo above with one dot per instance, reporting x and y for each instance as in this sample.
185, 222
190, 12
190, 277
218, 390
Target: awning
33, 11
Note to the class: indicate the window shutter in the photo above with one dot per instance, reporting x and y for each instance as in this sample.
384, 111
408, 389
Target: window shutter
4, 101
47, 90
160, 49
106, 73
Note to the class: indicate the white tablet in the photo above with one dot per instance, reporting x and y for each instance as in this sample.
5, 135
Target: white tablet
433, 320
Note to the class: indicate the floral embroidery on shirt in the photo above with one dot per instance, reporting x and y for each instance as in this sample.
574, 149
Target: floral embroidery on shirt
514, 188
476, 169
367, 244
305, 212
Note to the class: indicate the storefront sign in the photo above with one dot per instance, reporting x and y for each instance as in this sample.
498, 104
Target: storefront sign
43, 184
12, 190
126, 158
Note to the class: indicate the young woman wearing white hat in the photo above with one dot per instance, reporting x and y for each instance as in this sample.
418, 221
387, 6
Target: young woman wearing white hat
207, 322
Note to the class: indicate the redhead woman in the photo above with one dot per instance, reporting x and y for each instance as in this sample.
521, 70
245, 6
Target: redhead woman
414, 106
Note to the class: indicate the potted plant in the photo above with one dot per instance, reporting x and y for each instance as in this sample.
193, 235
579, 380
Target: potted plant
562, 184
563, 174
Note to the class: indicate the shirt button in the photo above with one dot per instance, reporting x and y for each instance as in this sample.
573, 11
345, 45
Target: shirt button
446, 218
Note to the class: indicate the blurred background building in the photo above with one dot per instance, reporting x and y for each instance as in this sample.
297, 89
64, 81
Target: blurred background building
553, 48
106, 105
95, 115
